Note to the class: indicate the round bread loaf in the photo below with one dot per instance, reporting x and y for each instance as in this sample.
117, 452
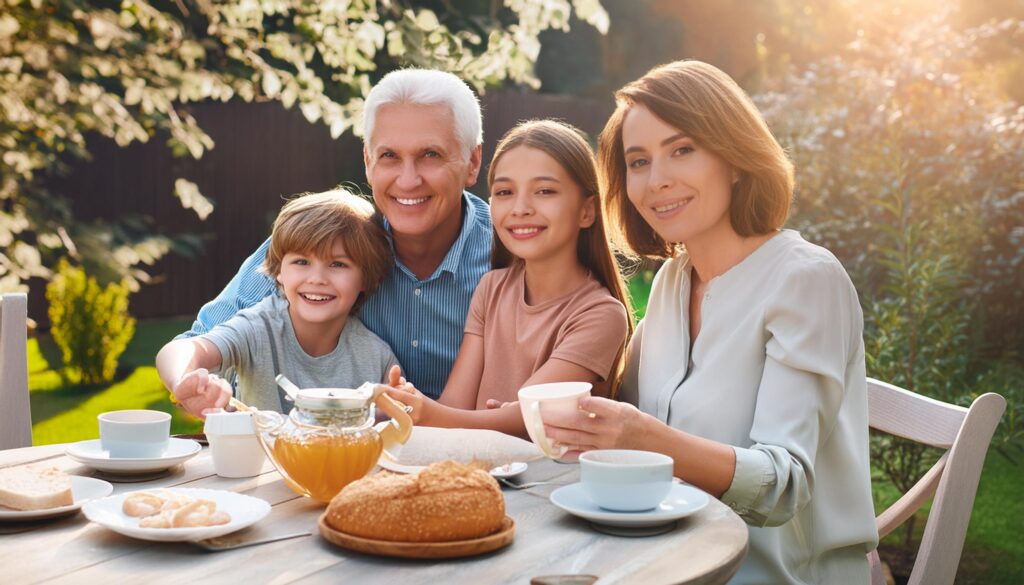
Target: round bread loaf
446, 501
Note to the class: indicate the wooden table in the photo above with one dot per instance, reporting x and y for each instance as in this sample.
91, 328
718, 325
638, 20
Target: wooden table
704, 548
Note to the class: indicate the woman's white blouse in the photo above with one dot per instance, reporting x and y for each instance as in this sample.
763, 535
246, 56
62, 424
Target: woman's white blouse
777, 372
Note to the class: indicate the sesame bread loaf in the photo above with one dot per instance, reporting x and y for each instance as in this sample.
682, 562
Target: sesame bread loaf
447, 501
32, 488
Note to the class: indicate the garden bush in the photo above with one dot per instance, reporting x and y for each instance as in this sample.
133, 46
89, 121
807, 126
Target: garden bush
89, 323
909, 168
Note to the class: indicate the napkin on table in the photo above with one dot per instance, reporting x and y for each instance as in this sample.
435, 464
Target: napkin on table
429, 445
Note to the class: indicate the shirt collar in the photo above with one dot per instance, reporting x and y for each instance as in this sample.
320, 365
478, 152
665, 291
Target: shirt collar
452, 262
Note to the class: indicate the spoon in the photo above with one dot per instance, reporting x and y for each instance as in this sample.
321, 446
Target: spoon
291, 389
509, 470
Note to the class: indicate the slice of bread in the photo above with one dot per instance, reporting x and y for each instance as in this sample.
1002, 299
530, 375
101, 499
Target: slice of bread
32, 488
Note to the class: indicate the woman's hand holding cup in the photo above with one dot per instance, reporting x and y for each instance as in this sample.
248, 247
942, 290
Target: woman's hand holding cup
541, 401
599, 423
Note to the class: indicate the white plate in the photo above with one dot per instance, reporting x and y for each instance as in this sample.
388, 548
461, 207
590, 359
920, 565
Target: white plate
510, 470
682, 500
83, 489
244, 510
90, 453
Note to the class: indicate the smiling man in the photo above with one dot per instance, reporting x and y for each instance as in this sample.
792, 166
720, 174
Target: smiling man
422, 148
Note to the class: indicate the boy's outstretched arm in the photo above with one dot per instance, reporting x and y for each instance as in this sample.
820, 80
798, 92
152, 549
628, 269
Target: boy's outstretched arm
183, 366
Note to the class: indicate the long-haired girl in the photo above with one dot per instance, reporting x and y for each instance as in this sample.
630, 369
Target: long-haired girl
554, 308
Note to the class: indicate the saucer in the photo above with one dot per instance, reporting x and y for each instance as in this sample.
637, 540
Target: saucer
83, 489
90, 453
682, 501
244, 510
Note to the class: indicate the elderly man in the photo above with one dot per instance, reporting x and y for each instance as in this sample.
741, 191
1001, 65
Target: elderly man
422, 148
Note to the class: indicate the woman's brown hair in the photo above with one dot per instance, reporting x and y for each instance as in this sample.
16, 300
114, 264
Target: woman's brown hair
706, 104
309, 224
568, 147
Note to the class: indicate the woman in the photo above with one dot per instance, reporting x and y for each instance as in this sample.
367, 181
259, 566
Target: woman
749, 366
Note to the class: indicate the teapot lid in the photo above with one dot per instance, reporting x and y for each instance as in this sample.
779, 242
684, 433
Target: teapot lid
334, 398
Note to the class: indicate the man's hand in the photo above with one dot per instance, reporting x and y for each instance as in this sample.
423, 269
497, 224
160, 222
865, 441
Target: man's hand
199, 392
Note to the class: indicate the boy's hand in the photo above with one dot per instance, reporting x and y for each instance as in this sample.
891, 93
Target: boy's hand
199, 392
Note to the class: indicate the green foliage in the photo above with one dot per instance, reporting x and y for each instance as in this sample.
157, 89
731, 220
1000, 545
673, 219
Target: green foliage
915, 334
909, 167
915, 115
90, 324
129, 70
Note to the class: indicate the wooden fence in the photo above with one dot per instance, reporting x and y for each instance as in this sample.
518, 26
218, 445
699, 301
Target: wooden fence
263, 153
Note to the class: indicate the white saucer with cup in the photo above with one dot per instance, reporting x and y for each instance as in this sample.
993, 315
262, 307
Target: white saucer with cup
625, 480
233, 443
135, 434
553, 397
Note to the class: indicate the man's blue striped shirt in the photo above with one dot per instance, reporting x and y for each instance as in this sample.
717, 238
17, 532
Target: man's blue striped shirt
422, 320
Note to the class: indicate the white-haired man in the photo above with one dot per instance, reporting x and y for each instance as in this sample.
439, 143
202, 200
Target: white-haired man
422, 149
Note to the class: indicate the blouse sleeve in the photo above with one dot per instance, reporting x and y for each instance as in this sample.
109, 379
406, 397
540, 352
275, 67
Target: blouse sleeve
594, 337
814, 326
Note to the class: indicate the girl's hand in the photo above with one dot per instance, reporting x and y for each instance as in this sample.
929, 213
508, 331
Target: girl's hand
395, 377
492, 403
600, 423
200, 392
413, 399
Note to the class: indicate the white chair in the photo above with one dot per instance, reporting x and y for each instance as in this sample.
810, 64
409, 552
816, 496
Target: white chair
965, 433
15, 411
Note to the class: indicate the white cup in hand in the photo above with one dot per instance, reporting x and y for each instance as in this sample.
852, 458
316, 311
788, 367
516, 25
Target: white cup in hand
538, 399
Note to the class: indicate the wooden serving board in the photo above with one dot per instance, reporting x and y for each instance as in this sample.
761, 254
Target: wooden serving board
421, 550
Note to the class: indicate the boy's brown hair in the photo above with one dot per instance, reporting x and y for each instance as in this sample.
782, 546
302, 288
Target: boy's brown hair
309, 224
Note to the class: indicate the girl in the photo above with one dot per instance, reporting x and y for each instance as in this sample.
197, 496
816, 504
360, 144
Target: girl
748, 368
554, 308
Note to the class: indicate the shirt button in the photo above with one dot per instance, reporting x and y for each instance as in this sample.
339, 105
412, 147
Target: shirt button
417, 291
707, 296
415, 343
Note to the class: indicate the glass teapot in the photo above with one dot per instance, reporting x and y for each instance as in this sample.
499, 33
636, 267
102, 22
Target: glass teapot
329, 439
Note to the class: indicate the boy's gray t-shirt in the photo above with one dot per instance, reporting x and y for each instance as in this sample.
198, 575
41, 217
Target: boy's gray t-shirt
249, 341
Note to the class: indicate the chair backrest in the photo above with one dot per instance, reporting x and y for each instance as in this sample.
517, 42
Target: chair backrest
15, 411
965, 433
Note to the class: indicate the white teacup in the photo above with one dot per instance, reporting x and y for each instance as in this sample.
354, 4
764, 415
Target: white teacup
135, 434
554, 397
624, 480
233, 443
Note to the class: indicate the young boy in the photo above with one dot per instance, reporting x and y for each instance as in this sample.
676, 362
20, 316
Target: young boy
327, 253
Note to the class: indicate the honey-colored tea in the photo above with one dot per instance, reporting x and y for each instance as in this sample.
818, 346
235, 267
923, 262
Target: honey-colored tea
321, 464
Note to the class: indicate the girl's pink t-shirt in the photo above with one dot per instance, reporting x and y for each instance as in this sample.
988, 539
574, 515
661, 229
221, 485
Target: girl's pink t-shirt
586, 326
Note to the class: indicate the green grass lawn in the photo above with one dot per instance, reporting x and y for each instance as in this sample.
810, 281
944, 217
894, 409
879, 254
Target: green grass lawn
61, 414
994, 552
